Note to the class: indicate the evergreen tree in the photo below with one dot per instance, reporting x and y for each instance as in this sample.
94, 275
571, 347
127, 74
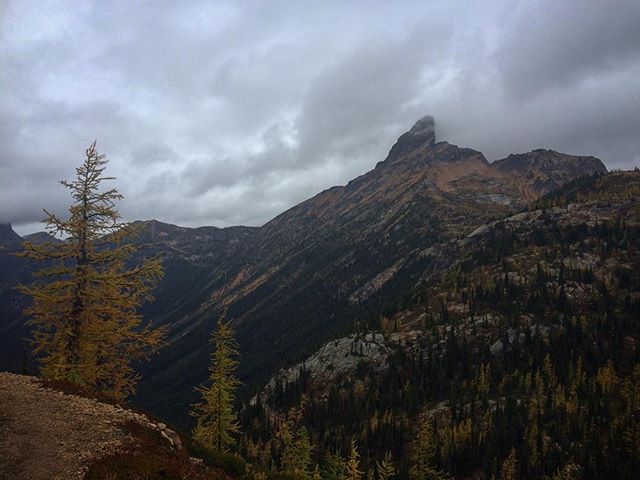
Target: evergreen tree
335, 467
296, 446
86, 328
386, 468
296, 457
216, 421
423, 454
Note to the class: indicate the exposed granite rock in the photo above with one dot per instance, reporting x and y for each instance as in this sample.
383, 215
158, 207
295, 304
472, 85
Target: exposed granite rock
343, 356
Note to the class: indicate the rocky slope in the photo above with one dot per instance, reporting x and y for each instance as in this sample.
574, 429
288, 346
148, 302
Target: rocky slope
411, 330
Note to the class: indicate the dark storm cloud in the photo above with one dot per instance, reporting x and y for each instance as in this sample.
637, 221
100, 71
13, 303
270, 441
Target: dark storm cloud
226, 113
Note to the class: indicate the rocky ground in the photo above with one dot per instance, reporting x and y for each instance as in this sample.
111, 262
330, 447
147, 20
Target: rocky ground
47, 434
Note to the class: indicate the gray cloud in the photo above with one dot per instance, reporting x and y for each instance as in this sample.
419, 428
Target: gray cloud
230, 112
556, 45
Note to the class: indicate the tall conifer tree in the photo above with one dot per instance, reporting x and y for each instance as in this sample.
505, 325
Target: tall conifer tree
423, 454
86, 328
216, 418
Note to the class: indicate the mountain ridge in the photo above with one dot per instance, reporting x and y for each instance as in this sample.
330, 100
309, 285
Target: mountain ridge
309, 273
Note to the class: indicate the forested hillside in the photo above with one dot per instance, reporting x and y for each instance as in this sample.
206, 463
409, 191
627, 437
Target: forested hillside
522, 355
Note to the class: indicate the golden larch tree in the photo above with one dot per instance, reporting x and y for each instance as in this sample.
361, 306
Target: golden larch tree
216, 420
509, 470
353, 463
386, 469
84, 315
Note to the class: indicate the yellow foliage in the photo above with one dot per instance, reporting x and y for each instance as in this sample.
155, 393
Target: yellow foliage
86, 328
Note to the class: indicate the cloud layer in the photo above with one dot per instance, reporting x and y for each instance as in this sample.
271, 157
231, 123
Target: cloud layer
228, 113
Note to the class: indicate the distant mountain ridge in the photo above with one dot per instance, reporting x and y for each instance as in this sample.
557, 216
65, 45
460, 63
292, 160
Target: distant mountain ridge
305, 276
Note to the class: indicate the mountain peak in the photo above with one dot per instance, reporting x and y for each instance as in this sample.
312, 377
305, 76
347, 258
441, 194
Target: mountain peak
424, 128
9, 238
421, 135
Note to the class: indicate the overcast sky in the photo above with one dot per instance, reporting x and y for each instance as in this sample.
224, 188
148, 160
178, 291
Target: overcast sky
223, 113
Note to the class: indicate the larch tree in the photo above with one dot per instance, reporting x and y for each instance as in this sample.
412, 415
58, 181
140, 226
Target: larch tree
386, 469
570, 471
353, 463
296, 446
216, 419
509, 470
423, 453
84, 315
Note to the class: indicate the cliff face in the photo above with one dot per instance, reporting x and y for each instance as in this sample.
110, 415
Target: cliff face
542, 171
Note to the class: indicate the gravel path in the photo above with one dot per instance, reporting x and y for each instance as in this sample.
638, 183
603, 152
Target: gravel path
45, 434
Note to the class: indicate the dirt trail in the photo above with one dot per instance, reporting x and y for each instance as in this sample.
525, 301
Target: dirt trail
45, 434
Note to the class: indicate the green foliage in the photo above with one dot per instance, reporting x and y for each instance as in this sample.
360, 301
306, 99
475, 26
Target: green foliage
295, 459
335, 467
231, 463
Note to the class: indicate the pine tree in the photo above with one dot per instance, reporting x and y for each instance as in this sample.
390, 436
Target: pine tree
335, 467
423, 454
86, 328
386, 468
216, 421
353, 464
